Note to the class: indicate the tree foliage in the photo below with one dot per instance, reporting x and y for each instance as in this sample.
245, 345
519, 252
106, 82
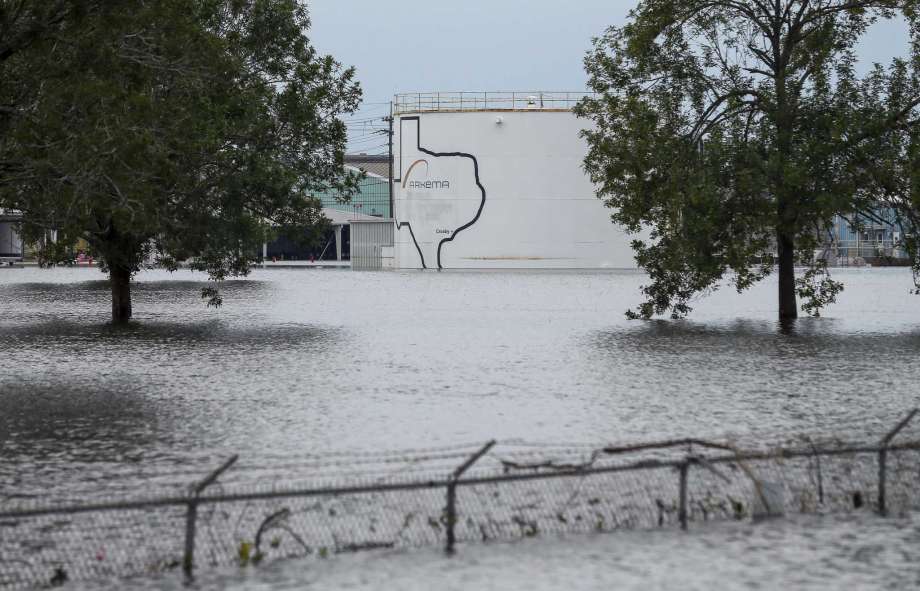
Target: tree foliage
162, 131
733, 131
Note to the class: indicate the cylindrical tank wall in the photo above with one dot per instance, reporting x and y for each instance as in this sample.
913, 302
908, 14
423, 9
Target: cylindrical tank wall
494, 189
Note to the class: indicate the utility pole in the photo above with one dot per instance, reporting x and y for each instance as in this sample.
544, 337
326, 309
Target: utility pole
390, 142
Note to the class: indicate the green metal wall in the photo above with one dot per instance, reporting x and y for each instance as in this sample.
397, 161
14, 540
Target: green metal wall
372, 199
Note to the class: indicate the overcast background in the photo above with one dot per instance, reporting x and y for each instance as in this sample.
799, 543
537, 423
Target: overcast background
451, 45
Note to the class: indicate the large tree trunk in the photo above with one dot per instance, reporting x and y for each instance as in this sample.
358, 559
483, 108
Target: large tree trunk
120, 280
788, 310
785, 219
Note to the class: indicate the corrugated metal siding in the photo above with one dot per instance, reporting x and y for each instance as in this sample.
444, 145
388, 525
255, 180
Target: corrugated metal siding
367, 242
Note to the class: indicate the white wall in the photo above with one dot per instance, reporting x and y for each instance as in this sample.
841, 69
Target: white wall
540, 209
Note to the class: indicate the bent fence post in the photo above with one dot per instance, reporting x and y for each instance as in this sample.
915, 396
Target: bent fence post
191, 516
883, 459
682, 507
819, 475
451, 509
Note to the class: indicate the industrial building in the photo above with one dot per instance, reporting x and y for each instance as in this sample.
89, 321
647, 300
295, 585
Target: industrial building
373, 195
495, 180
371, 202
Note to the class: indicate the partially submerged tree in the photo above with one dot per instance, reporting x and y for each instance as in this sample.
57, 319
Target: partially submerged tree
173, 130
735, 129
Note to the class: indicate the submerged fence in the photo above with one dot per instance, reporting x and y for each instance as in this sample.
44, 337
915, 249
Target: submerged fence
441, 496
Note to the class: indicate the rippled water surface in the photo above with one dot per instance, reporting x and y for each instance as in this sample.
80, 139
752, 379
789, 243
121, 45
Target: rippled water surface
307, 361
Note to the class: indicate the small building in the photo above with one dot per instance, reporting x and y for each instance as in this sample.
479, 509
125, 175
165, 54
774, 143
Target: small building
371, 244
10, 240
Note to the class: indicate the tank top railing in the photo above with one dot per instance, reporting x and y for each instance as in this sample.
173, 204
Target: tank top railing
423, 102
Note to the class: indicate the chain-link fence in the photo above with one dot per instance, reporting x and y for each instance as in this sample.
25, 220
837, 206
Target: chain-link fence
342, 503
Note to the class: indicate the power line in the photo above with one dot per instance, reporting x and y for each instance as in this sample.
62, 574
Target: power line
363, 140
366, 132
368, 150
368, 120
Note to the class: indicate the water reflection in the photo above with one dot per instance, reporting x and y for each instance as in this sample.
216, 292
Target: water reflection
300, 361
747, 377
139, 333
69, 415
54, 430
91, 407
807, 336
35, 291
81, 301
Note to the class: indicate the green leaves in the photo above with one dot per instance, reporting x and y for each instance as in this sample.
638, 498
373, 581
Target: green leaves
817, 288
721, 128
172, 130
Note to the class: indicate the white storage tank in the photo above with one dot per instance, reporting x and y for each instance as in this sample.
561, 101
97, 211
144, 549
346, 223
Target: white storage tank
496, 180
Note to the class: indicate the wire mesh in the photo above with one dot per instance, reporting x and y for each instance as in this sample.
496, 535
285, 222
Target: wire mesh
49, 550
573, 503
338, 503
257, 530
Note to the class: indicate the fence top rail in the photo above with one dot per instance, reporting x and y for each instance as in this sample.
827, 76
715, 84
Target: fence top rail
445, 480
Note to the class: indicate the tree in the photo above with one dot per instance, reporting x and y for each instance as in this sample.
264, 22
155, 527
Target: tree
173, 130
733, 129
889, 161
23, 22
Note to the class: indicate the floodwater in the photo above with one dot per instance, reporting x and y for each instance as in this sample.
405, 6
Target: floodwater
310, 361
805, 553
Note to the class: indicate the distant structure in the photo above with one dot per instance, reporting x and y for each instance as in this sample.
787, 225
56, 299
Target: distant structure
375, 164
869, 239
495, 180
370, 204
373, 196
10, 241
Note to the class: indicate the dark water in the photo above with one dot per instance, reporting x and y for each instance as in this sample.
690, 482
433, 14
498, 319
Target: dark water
303, 362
